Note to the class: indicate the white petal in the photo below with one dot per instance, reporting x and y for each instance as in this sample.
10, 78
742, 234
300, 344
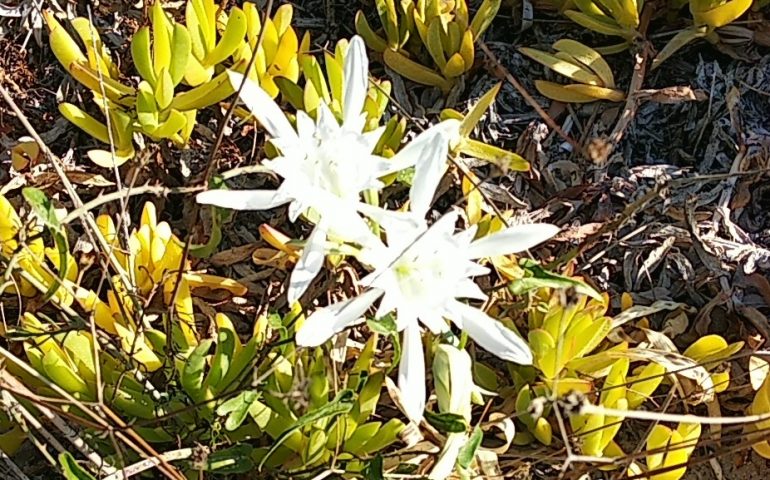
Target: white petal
411, 373
469, 289
401, 227
356, 80
389, 302
324, 323
242, 199
427, 176
326, 123
491, 335
263, 107
512, 240
309, 264
434, 321
305, 126
413, 152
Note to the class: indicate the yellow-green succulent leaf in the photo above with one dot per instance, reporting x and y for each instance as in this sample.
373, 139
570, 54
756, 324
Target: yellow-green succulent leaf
164, 89
231, 39
484, 16
478, 110
414, 71
569, 70
161, 41
434, 46
175, 122
146, 107
505, 160
371, 38
64, 47
142, 56
589, 57
211, 92
113, 90
85, 122
558, 92
598, 93
386, 9
455, 66
599, 24
716, 14
676, 43
181, 50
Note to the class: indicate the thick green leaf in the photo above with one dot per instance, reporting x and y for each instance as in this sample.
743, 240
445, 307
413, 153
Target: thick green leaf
468, 452
71, 469
541, 278
342, 404
473, 117
446, 422
233, 460
502, 158
384, 326
237, 408
374, 471
193, 370
44, 209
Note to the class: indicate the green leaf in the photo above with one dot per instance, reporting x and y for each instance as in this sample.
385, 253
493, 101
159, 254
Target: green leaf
342, 404
71, 469
291, 92
470, 121
237, 408
194, 369
181, 49
233, 460
384, 326
502, 158
468, 452
44, 209
446, 422
541, 278
374, 471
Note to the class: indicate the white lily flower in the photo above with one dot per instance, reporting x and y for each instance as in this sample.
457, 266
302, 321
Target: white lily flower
325, 166
422, 274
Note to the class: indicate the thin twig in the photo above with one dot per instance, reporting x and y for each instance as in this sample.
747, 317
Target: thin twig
149, 463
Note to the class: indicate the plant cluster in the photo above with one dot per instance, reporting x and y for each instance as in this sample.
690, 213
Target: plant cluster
167, 54
431, 42
155, 342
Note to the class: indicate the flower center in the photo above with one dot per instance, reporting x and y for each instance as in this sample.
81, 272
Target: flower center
338, 165
427, 279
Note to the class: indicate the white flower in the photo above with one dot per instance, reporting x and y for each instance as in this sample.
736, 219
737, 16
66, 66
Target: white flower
421, 274
325, 166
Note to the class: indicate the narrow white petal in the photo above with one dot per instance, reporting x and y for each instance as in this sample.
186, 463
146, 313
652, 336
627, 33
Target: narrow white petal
411, 373
326, 123
305, 126
434, 321
512, 240
324, 323
491, 335
242, 199
427, 175
398, 225
467, 288
259, 103
389, 301
309, 264
356, 80
445, 464
413, 152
